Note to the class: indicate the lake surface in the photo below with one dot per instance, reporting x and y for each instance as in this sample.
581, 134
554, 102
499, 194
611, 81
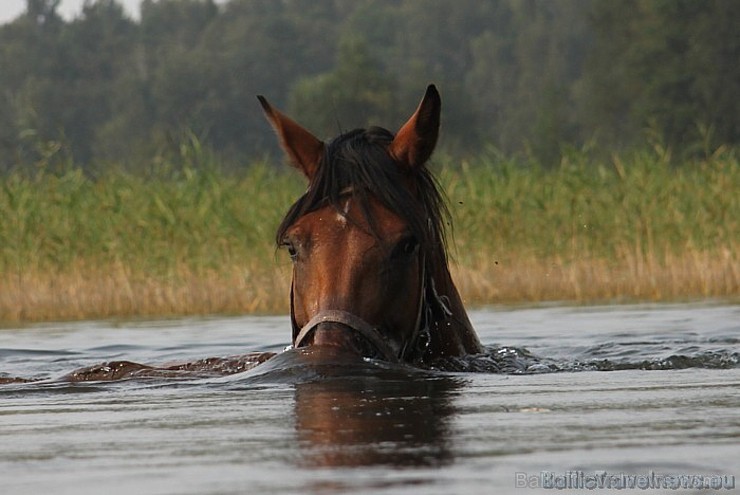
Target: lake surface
624, 397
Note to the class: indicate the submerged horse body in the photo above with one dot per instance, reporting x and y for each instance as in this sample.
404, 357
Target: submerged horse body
367, 242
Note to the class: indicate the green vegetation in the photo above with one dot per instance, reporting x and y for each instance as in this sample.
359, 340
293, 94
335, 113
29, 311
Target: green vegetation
533, 77
581, 210
195, 239
628, 228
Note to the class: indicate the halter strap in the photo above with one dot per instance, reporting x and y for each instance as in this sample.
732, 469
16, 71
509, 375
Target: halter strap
352, 321
417, 343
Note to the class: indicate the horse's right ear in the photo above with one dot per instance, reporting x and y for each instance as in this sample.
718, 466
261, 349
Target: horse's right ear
303, 148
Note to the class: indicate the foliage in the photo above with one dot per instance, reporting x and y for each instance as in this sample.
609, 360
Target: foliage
186, 236
175, 216
673, 65
587, 208
357, 91
531, 77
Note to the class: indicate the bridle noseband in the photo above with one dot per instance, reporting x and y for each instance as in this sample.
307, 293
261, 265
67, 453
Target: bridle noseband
352, 321
431, 307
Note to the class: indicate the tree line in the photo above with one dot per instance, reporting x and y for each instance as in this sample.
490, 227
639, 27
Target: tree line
531, 77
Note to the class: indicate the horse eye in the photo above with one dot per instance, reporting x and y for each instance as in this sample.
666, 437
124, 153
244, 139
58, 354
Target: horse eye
407, 247
290, 248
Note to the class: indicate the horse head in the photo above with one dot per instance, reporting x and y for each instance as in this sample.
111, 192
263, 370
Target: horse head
367, 242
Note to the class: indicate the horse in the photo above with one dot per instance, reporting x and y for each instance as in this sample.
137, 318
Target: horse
367, 241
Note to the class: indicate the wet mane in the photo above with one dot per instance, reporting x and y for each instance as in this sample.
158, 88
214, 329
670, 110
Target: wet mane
358, 163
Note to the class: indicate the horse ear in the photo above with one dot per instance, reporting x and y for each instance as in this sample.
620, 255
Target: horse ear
415, 141
303, 148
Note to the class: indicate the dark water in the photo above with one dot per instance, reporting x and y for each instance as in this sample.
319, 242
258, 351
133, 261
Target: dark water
620, 397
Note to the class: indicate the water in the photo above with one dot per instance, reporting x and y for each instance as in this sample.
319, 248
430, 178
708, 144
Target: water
668, 404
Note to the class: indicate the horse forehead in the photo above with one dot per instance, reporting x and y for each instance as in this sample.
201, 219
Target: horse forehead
384, 220
349, 218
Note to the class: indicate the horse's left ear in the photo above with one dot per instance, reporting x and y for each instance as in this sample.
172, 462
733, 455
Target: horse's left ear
415, 141
303, 148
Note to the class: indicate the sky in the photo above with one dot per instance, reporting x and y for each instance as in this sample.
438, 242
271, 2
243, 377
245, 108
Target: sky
10, 9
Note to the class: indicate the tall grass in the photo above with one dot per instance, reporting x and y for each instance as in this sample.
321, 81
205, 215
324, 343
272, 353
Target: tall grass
74, 247
630, 228
198, 240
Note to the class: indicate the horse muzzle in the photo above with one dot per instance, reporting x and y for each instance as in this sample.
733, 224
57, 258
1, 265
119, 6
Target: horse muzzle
343, 329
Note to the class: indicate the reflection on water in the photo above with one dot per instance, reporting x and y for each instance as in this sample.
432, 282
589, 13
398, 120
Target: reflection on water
352, 413
374, 421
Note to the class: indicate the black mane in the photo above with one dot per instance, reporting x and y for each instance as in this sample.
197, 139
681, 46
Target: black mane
358, 163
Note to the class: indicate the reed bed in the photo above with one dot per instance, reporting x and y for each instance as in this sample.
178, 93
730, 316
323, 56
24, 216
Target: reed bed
632, 228
200, 241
